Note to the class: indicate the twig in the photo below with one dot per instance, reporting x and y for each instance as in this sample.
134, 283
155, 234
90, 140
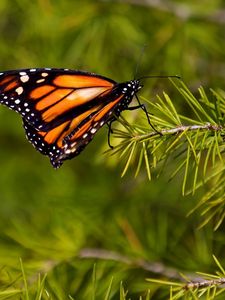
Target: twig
182, 128
153, 267
204, 283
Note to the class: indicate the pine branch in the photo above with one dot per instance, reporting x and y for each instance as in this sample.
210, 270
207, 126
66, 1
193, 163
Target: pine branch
199, 138
208, 285
193, 145
182, 128
194, 285
153, 267
204, 283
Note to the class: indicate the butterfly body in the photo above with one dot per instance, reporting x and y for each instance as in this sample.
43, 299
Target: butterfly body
63, 109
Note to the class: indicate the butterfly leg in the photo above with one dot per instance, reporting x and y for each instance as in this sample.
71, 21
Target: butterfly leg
143, 107
109, 124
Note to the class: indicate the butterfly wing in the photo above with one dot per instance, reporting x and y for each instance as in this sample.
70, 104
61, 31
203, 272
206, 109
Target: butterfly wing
42, 142
47, 98
68, 139
63, 109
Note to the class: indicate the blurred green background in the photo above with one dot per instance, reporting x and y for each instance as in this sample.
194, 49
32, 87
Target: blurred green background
48, 216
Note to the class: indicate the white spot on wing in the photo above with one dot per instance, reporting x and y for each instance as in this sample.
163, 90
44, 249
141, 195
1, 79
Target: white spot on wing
93, 130
19, 90
44, 74
40, 80
24, 78
68, 151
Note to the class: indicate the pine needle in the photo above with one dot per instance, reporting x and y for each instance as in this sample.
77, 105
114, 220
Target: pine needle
24, 281
132, 146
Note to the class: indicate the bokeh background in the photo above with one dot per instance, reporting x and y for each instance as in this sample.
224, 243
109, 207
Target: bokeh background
49, 217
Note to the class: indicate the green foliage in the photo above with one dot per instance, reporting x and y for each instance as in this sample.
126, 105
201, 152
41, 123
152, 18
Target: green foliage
82, 232
194, 141
208, 286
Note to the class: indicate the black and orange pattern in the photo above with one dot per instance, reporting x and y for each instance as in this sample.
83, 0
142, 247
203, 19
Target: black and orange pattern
63, 109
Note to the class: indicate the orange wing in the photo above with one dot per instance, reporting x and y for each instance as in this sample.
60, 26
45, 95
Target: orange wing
63, 109
47, 98
69, 138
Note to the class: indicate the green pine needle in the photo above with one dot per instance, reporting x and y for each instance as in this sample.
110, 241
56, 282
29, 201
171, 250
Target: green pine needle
195, 144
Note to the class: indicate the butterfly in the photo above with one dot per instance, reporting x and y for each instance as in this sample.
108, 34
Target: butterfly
63, 109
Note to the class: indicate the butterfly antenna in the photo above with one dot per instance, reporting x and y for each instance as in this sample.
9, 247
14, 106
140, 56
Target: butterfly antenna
139, 61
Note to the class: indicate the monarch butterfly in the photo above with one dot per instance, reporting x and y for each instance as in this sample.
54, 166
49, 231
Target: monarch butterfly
63, 109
